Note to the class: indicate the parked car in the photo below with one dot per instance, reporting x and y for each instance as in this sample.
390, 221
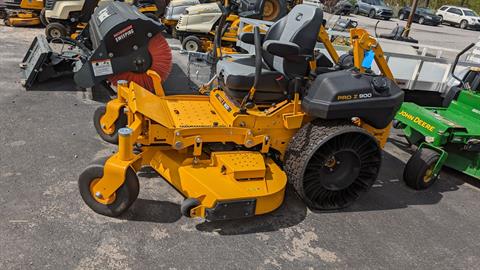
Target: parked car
422, 15
343, 7
459, 16
373, 8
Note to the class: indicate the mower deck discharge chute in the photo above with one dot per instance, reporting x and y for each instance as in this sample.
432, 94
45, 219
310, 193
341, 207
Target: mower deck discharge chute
118, 43
273, 117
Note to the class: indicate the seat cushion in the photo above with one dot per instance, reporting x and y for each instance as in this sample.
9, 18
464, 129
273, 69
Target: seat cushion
237, 74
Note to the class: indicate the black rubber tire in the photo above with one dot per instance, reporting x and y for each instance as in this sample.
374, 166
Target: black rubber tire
187, 41
42, 17
421, 20
56, 30
417, 166
125, 195
187, 205
319, 141
281, 5
463, 24
121, 122
356, 10
401, 16
371, 14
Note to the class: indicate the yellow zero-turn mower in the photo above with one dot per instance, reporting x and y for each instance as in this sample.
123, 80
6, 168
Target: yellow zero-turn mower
23, 12
265, 120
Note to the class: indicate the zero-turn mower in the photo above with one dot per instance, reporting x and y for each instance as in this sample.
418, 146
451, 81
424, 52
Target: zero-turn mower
23, 12
264, 120
445, 136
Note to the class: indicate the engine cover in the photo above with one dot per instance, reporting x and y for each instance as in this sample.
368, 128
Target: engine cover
119, 34
346, 93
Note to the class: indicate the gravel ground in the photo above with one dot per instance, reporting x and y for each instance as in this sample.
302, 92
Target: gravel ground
47, 138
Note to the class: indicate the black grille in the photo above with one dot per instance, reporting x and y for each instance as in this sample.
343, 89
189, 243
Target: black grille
49, 4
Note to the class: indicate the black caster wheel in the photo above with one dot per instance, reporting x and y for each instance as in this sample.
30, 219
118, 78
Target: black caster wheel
418, 173
331, 163
109, 134
118, 202
187, 205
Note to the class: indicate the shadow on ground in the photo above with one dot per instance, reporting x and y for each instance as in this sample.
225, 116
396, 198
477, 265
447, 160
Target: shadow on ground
153, 211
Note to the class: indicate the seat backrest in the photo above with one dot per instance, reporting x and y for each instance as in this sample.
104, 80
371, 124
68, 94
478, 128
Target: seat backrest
300, 26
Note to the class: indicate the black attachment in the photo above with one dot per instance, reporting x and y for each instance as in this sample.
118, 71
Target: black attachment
247, 101
231, 210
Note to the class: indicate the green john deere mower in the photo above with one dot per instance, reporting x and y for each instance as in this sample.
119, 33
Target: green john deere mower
445, 136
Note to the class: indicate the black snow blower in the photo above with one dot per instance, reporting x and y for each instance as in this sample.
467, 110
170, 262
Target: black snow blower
119, 43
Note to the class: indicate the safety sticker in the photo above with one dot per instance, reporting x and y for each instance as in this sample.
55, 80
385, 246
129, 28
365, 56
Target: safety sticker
103, 14
102, 67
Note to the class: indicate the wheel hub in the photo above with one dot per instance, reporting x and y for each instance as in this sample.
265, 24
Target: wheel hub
98, 196
340, 170
191, 46
55, 33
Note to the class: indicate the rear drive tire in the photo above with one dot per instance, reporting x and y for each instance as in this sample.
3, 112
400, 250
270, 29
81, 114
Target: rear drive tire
56, 30
116, 204
418, 172
192, 44
42, 17
331, 163
108, 136
273, 10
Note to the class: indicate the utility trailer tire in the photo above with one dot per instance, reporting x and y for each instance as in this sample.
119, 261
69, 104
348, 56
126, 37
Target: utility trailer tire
418, 172
331, 163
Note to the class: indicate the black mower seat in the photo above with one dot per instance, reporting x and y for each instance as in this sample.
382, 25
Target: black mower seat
239, 75
298, 32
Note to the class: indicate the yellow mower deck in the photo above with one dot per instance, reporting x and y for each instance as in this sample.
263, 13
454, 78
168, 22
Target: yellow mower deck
244, 183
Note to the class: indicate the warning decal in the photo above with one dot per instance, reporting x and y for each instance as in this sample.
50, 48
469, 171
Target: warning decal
102, 67
103, 14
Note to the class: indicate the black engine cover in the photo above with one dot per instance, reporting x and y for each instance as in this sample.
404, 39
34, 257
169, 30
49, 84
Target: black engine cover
346, 93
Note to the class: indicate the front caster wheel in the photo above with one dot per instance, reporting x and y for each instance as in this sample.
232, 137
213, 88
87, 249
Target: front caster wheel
187, 205
418, 173
118, 202
331, 163
108, 134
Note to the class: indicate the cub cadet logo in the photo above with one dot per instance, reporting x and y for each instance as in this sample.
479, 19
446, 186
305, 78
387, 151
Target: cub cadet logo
417, 120
124, 33
354, 96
